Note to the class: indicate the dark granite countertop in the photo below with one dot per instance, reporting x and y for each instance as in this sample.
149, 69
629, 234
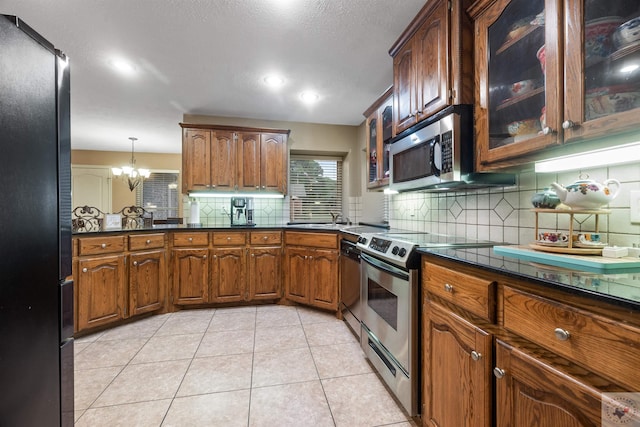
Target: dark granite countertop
621, 288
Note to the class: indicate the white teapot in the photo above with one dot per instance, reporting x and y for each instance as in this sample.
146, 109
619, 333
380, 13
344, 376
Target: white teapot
587, 193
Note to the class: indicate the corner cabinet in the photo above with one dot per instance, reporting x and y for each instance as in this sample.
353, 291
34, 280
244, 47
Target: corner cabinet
225, 158
379, 132
549, 72
432, 63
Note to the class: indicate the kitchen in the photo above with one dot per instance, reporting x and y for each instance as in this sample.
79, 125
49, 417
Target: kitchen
499, 214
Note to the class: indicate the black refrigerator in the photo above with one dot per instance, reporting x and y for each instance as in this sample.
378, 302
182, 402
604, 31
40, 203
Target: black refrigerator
36, 299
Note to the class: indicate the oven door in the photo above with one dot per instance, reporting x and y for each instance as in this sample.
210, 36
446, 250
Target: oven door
387, 310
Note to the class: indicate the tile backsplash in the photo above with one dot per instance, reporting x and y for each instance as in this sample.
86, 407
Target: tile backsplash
504, 214
214, 212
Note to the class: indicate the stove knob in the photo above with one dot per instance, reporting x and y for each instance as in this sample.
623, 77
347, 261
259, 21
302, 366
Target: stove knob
362, 240
395, 250
402, 252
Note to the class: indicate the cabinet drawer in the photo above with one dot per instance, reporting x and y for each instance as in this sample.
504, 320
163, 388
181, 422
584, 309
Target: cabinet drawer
191, 239
600, 344
229, 239
266, 238
146, 241
314, 240
101, 245
474, 294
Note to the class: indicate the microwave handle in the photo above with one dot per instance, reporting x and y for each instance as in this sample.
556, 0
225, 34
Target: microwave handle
432, 157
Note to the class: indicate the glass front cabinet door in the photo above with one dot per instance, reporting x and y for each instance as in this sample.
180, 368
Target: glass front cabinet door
379, 132
552, 71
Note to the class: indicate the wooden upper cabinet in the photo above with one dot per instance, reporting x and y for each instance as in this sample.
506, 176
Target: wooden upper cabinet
432, 63
229, 158
379, 132
196, 159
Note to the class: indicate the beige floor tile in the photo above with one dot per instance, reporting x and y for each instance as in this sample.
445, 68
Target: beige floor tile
404, 424
141, 414
184, 324
295, 405
283, 367
78, 347
170, 347
233, 310
89, 338
101, 354
216, 374
340, 360
361, 400
233, 321
226, 409
224, 343
88, 384
281, 338
77, 414
328, 333
277, 316
310, 315
149, 381
144, 328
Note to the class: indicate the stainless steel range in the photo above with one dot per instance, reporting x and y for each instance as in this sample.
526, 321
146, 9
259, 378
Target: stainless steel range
390, 300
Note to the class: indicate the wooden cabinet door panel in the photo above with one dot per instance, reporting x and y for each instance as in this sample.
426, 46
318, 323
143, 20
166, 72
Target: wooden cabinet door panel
228, 275
265, 273
297, 277
249, 161
101, 287
432, 66
190, 276
404, 88
223, 160
457, 388
323, 273
196, 160
147, 281
273, 162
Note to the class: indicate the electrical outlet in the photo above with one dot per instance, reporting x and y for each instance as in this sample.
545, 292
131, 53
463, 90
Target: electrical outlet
634, 206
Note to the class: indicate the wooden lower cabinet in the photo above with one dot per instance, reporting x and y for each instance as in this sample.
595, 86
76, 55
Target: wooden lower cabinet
228, 275
312, 277
147, 281
265, 273
190, 276
457, 358
101, 288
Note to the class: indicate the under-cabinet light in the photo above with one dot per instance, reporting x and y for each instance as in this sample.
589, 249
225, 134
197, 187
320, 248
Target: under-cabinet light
389, 191
221, 195
626, 153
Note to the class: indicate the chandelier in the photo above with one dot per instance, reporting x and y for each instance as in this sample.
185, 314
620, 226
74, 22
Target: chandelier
130, 173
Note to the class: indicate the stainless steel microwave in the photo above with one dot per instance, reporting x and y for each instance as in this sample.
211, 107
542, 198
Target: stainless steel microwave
438, 154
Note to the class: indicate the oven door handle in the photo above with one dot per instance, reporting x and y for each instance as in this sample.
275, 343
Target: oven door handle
396, 272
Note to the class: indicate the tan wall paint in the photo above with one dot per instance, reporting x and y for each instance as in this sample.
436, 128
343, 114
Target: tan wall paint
121, 196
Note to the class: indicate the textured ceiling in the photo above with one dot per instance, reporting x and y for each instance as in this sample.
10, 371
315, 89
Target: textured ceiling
210, 56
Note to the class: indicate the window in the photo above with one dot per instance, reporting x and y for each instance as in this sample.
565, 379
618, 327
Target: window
159, 194
316, 188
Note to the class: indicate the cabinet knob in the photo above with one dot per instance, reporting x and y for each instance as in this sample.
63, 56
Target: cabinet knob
208, 186
548, 131
257, 187
265, 238
135, 263
475, 355
253, 255
306, 257
190, 239
84, 270
568, 124
448, 288
213, 186
264, 186
205, 257
228, 239
148, 242
104, 245
310, 257
562, 334
498, 373
214, 257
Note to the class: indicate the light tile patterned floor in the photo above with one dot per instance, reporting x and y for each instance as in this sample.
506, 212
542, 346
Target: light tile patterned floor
248, 366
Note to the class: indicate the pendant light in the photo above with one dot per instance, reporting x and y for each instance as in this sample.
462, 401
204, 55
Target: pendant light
132, 175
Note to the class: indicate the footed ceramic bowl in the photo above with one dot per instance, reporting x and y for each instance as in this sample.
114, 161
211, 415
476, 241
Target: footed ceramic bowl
598, 43
627, 33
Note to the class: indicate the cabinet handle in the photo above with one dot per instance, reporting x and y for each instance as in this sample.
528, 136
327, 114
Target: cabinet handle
135, 263
148, 242
84, 270
475, 355
104, 245
498, 373
548, 131
562, 334
448, 288
568, 124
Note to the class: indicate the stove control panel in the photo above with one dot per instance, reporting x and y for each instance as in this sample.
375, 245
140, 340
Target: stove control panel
396, 251
380, 245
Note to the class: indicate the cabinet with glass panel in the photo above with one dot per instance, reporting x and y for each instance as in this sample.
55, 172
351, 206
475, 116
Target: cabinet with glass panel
379, 132
551, 72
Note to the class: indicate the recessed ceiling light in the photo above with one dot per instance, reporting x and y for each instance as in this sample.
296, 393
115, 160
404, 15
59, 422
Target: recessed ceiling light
273, 80
123, 66
309, 96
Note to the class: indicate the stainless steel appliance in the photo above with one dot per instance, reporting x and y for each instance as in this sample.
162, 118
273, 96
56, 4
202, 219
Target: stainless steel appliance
242, 212
350, 305
437, 154
36, 300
